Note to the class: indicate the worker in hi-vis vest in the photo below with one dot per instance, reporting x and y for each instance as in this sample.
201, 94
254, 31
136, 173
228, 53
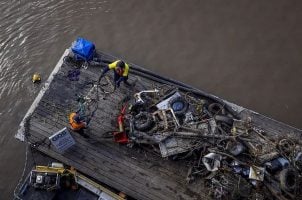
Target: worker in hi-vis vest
77, 123
121, 71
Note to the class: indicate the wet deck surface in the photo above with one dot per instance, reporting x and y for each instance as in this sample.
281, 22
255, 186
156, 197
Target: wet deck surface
138, 173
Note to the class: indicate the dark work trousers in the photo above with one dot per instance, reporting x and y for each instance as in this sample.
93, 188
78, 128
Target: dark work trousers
117, 77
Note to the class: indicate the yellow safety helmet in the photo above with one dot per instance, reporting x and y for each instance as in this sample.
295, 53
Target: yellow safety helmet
36, 78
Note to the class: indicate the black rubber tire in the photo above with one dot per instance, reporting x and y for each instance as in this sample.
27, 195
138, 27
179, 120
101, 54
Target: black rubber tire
225, 119
216, 108
67, 59
143, 121
183, 101
288, 179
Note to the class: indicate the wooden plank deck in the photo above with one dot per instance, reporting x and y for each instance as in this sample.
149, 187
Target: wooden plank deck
138, 173
141, 175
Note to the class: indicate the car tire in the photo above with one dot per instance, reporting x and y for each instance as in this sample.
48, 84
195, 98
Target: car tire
288, 179
143, 121
216, 108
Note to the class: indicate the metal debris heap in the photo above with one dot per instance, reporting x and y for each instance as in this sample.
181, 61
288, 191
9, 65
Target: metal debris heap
236, 159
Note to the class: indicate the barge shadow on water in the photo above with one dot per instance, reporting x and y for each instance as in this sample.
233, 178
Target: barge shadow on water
193, 146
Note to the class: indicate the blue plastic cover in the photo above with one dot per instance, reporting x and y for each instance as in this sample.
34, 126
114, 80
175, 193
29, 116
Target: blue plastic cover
83, 49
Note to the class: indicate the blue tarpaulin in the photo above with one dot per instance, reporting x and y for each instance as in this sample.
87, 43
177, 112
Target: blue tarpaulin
83, 49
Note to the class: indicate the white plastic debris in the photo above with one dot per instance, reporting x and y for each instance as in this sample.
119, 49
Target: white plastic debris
212, 161
256, 173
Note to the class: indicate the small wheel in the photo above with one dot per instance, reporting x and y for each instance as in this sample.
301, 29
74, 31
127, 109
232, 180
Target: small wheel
179, 105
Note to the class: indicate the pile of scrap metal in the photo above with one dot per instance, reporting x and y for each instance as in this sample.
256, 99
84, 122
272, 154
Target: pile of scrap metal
236, 159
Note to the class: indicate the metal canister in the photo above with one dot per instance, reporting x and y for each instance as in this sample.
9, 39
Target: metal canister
277, 164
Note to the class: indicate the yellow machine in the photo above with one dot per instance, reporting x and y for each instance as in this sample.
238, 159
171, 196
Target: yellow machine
56, 176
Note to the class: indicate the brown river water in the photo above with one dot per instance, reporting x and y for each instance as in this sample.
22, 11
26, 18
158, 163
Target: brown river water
248, 52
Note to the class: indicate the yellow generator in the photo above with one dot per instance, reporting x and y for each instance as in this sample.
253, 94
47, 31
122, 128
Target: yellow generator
52, 182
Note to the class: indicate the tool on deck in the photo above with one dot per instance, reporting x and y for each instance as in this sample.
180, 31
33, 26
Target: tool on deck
121, 135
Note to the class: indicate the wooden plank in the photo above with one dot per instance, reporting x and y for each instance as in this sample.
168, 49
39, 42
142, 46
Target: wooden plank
62, 125
78, 153
118, 166
21, 130
140, 178
97, 123
104, 166
48, 114
93, 172
51, 107
113, 147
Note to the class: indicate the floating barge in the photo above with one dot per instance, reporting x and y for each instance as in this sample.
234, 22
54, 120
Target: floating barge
141, 174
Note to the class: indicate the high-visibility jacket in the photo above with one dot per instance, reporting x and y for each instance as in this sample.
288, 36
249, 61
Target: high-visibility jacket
75, 125
125, 70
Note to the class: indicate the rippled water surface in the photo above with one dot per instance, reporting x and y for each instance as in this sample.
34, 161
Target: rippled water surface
248, 52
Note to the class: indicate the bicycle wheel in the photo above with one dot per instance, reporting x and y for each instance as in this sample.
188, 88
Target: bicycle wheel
93, 105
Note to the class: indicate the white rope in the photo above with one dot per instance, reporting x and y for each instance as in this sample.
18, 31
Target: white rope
23, 173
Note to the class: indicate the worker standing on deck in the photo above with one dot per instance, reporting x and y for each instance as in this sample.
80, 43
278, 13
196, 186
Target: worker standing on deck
77, 123
121, 71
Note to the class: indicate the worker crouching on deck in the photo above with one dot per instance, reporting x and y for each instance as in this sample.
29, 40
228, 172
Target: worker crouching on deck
121, 71
77, 123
